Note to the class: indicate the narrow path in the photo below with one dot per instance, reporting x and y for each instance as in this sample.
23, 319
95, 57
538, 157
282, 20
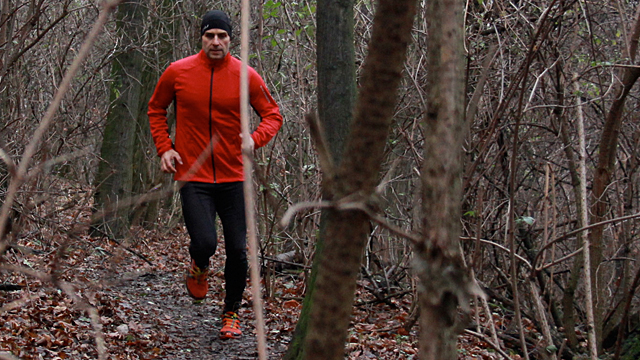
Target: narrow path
161, 306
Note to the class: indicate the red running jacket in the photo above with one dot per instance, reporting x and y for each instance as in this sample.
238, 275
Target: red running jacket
207, 102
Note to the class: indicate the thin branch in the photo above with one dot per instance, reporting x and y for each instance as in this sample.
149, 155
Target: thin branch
35, 41
488, 341
625, 316
344, 205
317, 134
590, 304
472, 107
155, 194
249, 195
558, 261
292, 210
582, 229
380, 220
505, 249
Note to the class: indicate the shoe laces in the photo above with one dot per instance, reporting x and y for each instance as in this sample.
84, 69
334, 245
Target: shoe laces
231, 320
198, 274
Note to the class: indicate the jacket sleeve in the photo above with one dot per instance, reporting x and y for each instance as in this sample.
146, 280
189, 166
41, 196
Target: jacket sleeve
266, 107
157, 111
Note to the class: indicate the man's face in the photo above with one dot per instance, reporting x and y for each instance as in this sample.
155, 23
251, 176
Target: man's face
215, 43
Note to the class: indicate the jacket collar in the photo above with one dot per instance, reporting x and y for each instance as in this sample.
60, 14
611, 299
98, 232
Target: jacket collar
216, 64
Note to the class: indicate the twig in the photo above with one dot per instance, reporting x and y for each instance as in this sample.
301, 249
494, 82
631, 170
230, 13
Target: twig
380, 220
345, 204
119, 243
472, 107
163, 192
489, 321
583, 229
488, 341
18, 303
519, 257
625, 314
538, 308
268, 258
292, 210
70, 291
107, 8
317, 134
556, 262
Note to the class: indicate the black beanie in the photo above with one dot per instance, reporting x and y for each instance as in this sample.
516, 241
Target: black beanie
215, 19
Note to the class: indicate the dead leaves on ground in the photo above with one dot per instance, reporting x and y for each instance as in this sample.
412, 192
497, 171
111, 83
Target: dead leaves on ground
42, 322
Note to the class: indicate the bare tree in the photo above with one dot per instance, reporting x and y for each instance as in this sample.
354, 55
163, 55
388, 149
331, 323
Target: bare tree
353, 183
336, 102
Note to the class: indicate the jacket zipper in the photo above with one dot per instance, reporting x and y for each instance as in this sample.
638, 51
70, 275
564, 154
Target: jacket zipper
213, 163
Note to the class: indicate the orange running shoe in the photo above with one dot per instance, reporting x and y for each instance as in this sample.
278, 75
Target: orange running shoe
197, 284
230, 326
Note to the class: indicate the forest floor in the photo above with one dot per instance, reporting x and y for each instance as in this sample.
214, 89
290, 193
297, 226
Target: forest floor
136, 291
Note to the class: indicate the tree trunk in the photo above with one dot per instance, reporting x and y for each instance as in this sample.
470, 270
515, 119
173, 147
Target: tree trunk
355, 181
608, 147
336, 102
114, 180
336, 71
146, 164
444, 281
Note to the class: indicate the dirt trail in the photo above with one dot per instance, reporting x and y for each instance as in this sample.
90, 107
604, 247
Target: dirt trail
162, 307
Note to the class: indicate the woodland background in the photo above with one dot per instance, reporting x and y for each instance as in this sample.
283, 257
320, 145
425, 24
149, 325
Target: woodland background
551, 146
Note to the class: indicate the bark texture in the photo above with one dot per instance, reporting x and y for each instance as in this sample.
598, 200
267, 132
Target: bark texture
336, 71
355, 180
114, 180
444, 281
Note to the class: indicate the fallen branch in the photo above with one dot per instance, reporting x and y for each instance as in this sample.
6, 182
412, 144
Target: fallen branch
10, 287
384, 299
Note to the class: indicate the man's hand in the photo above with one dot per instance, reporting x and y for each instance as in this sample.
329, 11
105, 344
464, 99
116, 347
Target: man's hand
251, 144
168, 159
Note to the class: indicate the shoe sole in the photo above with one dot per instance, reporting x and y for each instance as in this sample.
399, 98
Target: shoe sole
229, 335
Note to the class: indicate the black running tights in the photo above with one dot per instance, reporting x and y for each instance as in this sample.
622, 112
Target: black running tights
200, 204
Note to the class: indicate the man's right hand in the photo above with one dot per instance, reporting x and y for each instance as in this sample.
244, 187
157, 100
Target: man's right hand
168, 159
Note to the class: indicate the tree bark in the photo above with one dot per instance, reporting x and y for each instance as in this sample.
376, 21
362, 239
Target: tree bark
146, 165
114, 180
336, 71
444, 282
355, 181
